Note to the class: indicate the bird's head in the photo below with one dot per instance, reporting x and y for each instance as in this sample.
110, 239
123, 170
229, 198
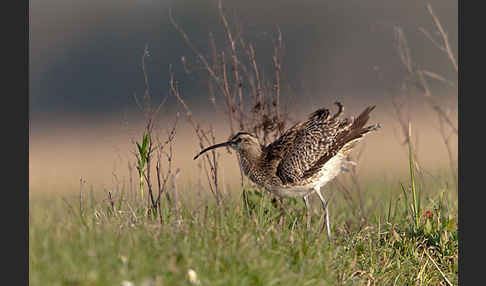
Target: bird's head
241, 142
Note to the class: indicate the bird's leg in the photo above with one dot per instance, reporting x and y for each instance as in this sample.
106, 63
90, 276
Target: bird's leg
307, 212
326, 209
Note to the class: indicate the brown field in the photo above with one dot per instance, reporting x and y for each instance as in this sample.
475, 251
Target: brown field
99, 150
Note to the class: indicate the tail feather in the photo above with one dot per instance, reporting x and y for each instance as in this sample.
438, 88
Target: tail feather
357, 129
361, 120
351, 133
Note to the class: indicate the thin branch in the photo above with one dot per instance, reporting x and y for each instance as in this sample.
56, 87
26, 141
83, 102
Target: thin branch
203, 59
446, 118
438, 268
234, 58
444, 37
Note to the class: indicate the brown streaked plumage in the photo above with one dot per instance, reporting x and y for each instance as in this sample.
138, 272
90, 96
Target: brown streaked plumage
305, 158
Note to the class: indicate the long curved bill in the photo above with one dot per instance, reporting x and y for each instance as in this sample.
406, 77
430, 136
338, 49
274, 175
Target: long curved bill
212, 147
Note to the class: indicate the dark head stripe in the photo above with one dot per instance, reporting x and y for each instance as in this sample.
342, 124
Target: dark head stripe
241, 133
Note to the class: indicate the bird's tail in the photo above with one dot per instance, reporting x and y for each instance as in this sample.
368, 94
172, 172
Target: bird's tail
357, 129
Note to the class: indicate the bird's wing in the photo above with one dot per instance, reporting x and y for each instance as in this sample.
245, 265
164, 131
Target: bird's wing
275, 151
316, 141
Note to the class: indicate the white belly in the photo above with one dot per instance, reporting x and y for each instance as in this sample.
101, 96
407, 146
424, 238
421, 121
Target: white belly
328, 172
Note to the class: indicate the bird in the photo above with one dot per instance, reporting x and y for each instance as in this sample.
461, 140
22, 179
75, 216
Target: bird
305, 157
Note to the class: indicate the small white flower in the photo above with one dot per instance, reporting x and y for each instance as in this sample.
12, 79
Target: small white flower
127, 283
192, 275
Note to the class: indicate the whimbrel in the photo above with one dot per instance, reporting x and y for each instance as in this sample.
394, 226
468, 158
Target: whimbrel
304, 158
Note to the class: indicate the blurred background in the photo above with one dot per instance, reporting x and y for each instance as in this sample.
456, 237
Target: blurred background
86, 71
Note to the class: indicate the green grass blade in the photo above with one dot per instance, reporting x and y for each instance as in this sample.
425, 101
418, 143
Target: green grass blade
415, 197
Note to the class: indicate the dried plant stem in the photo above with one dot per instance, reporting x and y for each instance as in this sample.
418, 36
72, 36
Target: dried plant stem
205, 62
204, 139
417, 78
445, 47
228, 72
234, 58
153, 145
438, 268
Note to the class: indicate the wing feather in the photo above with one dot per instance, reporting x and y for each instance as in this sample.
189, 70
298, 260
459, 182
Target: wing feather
306, 147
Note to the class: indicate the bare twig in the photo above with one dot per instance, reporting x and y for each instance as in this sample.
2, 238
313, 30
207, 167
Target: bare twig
446, 138
419, 78
445, 47
442, 115
153, 145
234, 57
204, 139
438, 268
229, 71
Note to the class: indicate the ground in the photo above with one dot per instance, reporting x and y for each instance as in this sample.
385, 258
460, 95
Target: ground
247, 240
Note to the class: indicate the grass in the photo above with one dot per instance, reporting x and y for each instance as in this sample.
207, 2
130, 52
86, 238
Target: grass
399, 234
95, 242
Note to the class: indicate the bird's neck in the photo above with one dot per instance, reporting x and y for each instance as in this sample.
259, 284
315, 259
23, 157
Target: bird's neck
250, 163
252, 153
